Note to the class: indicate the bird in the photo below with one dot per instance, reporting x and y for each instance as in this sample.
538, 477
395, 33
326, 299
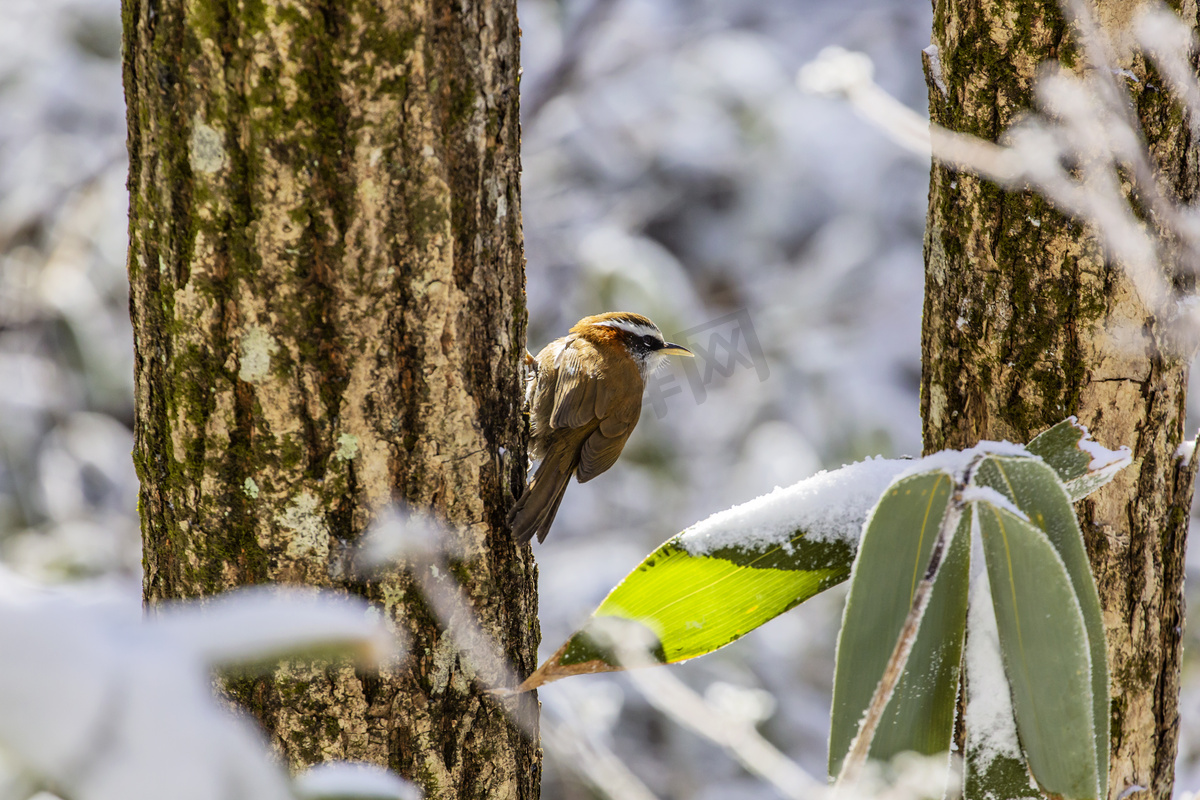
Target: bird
584, 400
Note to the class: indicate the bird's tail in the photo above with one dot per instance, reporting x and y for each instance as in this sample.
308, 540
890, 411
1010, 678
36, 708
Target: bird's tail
534, 513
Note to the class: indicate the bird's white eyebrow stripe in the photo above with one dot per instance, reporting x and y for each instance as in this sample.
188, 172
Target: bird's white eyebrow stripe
636, 328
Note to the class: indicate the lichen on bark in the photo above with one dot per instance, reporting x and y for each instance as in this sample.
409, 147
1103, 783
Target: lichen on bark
1027, 321
327, 296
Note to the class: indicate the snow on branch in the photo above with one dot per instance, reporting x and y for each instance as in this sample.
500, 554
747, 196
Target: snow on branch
101, 705
1080, 147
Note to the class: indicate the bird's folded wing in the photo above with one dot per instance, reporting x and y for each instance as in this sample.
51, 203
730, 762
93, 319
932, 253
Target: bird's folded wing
575, 389
601, 449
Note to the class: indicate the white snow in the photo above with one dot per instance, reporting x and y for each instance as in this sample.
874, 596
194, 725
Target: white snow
1124, 73
955, 462
829, 506
1185, 451
935, 67
1103, 461
97, 704
110, 707
835, 71
347, 779
986, 494
257, 622
991, 728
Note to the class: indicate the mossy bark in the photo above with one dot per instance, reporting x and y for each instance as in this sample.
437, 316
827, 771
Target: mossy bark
1026, 322
327, 299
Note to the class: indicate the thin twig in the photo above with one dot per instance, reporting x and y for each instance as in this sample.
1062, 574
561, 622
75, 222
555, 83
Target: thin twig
422, 544
663, 690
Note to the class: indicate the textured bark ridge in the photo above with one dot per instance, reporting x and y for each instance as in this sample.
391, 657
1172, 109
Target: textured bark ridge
327, 299
1026, 322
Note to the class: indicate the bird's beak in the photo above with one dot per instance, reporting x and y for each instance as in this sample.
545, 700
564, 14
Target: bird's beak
669, 349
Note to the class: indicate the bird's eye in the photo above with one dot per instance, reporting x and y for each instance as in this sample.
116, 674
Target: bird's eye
650, 342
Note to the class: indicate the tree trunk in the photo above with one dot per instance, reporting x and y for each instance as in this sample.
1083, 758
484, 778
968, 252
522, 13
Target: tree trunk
327, 299
1026, 322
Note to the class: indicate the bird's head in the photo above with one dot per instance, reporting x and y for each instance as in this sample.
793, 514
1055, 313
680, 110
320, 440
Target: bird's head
637, 335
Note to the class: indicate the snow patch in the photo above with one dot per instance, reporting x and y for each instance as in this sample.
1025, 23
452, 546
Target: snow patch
1103, 460
347, 779
986, 494
1185, 452
269, 621
1124, 73
935, 67
991, 727
105, 705
830, 506
836, 71
956, 462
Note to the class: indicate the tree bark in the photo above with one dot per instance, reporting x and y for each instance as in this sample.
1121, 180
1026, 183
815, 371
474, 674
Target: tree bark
327, 299
1026, 322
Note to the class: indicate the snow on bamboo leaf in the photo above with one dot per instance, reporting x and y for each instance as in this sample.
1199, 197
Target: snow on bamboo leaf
1021, 510
828, 507
993, 764
734, 571
1081, 464
900, 643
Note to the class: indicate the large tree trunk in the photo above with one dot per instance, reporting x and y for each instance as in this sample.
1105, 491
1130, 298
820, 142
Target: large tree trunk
327, 298
1026, 322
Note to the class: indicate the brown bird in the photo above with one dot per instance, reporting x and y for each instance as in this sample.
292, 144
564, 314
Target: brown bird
584, 402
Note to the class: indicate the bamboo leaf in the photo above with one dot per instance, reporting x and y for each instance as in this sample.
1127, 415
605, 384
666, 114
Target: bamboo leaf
893, 557
725, 576
729, 574
1047, 657
1082, 465
1033, 487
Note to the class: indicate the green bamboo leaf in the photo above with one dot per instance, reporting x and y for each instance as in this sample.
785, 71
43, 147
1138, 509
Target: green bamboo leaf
920, 715
731, 573
1082, 465
1047, 656
1034, 488
735, 571
893, 557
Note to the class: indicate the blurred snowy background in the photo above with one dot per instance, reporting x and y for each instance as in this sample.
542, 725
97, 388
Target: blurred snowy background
671, 168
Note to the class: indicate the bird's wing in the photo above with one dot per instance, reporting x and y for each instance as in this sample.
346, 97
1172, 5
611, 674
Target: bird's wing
601, 449
575, 391
585, 400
